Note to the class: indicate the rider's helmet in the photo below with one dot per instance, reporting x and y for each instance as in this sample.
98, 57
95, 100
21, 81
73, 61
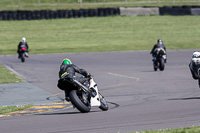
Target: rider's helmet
23, 39
196, 54
159, 41
66, 61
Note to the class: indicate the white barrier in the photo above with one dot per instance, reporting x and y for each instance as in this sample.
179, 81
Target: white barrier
139, 11
195, 11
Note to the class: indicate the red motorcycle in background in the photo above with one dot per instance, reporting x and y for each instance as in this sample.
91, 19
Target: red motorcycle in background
23, 53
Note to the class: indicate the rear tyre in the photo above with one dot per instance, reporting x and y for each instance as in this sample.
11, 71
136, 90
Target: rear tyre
199, 82
22, 58
77, 101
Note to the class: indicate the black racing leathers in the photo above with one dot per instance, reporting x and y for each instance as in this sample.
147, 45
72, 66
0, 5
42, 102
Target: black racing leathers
69, 69
157, 46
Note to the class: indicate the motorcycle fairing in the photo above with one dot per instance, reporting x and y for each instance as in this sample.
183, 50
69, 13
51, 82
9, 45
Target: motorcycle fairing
95, 101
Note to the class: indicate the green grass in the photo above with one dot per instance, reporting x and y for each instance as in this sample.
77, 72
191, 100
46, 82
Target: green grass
4, 110
73, 4
179, 130
119, 33
8, 77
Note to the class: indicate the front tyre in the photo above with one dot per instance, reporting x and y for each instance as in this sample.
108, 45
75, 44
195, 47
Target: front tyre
162, 64
104, 105
199, 82
77, 101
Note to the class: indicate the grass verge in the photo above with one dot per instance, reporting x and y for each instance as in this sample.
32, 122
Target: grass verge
4, 110
7, 76
178, 130
119, 33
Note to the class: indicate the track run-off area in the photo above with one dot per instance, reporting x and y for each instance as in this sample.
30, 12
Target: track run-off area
38, 109
139, 98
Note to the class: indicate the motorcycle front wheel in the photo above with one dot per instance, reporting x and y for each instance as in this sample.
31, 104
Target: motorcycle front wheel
78, 101
162, 64
104, 105
199, 82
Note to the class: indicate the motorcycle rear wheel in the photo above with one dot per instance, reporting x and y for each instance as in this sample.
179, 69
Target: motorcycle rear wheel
22, 58
78, 103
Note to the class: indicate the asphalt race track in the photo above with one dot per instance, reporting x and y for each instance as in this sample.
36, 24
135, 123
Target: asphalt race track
139, 98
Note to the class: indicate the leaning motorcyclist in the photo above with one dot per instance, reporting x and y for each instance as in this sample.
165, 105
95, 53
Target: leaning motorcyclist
195, 64
69, 69
159, 44
22, 44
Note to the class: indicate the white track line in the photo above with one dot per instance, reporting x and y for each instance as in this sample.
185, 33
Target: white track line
9, 68
125, 76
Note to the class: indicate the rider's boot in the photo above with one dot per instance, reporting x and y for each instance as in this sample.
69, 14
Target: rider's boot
93, 92
153, 58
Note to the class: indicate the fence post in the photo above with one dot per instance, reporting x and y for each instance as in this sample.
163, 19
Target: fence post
19, 3
80, 3
39, 3
58, 3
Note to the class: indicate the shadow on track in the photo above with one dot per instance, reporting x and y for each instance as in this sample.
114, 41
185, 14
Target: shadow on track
148, 71
114, 105
189, 98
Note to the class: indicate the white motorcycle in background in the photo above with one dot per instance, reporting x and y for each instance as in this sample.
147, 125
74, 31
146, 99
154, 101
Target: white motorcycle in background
195, 66
159, 59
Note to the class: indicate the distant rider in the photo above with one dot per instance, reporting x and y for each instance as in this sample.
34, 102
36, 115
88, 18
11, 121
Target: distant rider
22, 44
67, 68
195, 64
159, 44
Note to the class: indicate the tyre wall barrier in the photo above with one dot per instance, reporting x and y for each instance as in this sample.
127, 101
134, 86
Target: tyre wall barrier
135, 11
175, 11
179, 10
50, 14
